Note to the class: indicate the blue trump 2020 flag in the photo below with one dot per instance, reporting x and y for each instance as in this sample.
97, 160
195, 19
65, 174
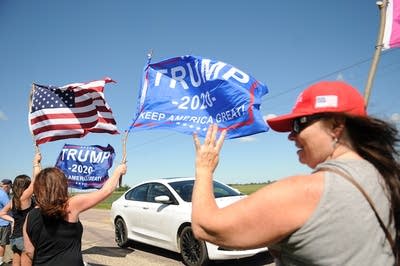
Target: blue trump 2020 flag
189, 93
85, 167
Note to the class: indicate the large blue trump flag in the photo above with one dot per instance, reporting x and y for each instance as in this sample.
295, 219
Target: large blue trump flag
189, 93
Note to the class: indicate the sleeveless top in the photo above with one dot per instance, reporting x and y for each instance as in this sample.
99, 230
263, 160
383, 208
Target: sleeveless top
343, 229
19, 219
56, 241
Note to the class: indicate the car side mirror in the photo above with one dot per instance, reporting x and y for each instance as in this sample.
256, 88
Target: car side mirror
163, 199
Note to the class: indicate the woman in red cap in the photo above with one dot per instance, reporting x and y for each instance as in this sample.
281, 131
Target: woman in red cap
346, 212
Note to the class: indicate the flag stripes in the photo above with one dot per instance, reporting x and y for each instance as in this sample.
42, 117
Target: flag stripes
70, 111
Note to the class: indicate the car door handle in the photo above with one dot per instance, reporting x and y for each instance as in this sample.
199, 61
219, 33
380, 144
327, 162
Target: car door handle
145, 208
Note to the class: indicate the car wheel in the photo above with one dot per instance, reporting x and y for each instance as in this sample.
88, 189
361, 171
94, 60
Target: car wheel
193, 251
121, 234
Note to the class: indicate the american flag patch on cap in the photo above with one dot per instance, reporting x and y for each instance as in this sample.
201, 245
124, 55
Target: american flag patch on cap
326, 101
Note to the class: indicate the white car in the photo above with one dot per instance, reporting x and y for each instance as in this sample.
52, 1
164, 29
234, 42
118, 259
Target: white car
158, 213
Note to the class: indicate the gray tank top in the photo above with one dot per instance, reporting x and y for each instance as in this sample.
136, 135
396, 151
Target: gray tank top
343, 229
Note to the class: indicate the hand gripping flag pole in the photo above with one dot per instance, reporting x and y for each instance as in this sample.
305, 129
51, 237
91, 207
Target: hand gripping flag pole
37, 150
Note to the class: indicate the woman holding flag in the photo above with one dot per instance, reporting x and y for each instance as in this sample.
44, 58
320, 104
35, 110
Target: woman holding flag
52, 230
346, 212
17, 209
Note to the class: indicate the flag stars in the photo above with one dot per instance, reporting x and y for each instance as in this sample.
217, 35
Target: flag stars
52, 97
192, 126
49, 103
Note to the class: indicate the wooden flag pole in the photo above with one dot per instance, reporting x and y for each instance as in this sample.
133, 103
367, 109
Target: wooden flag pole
125, 137
30, 104
37, 150
382, 5
124, 140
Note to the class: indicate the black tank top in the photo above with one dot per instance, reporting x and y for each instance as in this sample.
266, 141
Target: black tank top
19, 219
56, 241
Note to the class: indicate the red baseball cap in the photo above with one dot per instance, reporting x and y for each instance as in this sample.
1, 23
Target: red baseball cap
322, 97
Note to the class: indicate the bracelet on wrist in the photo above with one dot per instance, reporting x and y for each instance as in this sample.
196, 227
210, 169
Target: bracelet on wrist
36, 165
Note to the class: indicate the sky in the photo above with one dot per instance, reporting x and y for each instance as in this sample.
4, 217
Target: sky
287, 45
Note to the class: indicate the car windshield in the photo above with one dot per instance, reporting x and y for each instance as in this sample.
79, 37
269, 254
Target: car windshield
185, 189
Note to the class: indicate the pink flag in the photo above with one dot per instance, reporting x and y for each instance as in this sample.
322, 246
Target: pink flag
391, 37
70, 111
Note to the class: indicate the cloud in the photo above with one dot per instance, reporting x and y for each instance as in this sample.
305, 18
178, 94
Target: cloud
340, 77
247, 139
3, 116
269, 116
395, 118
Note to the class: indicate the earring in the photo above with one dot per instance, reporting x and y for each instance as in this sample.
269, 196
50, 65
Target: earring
334, 142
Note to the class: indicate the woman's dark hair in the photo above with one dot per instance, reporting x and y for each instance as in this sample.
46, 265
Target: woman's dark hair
21, 182
377, 142
51, 192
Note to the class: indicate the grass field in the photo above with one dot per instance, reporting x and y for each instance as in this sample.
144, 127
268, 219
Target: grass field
248, 188
244, 188
106, 204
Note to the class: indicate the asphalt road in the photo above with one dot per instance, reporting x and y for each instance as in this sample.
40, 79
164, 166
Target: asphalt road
99, 248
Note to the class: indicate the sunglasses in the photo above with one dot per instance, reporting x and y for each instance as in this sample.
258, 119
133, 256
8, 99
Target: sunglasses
301, 123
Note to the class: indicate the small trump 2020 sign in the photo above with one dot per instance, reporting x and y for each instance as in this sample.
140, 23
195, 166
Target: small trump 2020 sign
86, 167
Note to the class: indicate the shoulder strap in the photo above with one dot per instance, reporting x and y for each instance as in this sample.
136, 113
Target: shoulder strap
371, 203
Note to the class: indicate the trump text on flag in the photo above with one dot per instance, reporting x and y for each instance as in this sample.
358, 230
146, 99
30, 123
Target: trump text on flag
189, 93
85, 166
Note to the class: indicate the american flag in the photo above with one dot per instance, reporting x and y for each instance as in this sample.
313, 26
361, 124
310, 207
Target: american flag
70, 111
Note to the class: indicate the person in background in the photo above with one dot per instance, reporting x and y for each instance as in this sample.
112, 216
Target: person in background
5, 228
320, 218
19, 207
52, 231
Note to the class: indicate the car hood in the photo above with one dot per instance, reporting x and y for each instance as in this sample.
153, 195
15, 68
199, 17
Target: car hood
225, 201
